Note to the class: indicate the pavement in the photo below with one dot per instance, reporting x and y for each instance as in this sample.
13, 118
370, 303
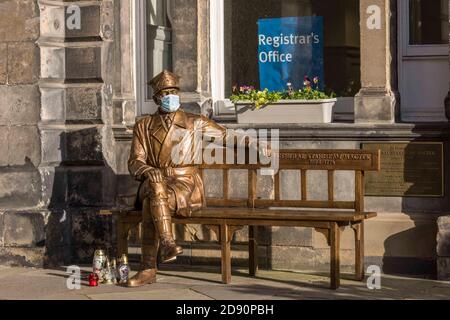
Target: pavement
182, 283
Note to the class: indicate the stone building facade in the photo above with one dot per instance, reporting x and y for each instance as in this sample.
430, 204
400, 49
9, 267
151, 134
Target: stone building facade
69, 97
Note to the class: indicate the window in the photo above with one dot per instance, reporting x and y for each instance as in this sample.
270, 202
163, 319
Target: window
428, 22
341, 36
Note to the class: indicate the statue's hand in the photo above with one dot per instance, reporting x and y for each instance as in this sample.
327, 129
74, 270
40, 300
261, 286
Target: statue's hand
155, 176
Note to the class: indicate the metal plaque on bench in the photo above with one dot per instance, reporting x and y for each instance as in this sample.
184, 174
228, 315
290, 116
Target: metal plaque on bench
407, 170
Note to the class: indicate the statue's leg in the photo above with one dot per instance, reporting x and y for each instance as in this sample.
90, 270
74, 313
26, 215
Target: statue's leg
161, 210
149, 250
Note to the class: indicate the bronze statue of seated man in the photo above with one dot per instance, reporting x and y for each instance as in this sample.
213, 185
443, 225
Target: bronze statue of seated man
168, 186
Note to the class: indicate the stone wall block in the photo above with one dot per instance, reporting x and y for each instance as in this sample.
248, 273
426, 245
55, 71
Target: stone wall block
52, 21
53, 146
122, 154
374, 106
90, 22
3, 63
443, 237
19, 105
83, 145
443, 269
24, 146
107, 20
90, 231
24, 229
60, 21
23, 63
54, 186
4, 106
53, 102
126, 190
291, 258
53, 62
71, 63
90, 186
83, 104
184, 15
58, 228
19, 20
22, 257
4, 135
24, 104
19, 187
83, 63
287, 236
209, 254
2, 228
58, 235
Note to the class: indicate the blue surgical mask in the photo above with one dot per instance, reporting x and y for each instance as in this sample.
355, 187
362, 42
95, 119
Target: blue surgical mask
170, 103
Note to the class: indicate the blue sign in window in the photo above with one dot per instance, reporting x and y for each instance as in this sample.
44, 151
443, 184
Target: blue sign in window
290, 49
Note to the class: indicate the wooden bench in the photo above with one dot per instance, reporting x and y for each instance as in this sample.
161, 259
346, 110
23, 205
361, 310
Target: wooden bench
225, 216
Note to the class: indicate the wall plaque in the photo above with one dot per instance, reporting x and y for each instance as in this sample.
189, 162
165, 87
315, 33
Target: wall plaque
407, 170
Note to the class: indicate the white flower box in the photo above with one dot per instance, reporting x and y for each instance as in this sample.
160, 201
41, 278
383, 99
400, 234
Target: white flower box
286, 111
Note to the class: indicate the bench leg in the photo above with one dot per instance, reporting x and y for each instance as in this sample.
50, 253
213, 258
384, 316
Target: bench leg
252, 251
335, 237
359, 250
225, 243
122, 237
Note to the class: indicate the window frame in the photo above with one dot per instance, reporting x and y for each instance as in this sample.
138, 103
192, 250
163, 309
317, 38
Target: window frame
223, 108
144, 104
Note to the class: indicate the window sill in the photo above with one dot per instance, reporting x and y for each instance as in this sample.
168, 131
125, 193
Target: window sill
335, 131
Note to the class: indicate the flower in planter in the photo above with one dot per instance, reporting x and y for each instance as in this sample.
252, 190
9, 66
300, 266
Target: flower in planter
290, 89
260, 98
307, 82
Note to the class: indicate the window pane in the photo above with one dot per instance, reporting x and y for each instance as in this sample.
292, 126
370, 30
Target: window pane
341, 35
159, 40
428, 22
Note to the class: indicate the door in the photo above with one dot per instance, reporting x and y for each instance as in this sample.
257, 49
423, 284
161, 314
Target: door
423, 59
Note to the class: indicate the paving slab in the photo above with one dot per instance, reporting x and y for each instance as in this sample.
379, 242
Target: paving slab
183, 283
166, 294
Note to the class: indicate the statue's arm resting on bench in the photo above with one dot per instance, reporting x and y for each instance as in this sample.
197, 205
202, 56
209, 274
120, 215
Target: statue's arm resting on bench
223, 135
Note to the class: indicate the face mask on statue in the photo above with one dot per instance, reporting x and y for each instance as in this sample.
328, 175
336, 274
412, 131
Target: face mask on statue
170, 103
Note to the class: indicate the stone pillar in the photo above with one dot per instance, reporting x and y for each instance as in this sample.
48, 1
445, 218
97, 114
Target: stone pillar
22, 228
76, 45
190, 52
203, 56
376, 101
184, 28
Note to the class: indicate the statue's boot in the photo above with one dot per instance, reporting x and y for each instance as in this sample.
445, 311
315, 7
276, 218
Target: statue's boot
163, 223
149, 247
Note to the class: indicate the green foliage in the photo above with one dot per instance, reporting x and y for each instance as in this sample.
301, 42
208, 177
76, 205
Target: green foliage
262, 98
258, 98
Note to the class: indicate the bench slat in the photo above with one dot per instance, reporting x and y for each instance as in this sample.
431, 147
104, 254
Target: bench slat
280, 214
272, 214
303, 185
331, 185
